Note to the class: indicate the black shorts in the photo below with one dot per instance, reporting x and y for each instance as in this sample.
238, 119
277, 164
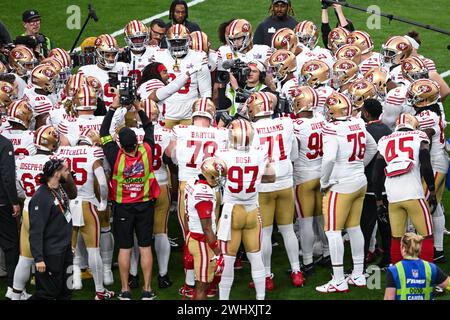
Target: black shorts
133, 218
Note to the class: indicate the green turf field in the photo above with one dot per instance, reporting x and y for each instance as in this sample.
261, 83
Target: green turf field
113, 15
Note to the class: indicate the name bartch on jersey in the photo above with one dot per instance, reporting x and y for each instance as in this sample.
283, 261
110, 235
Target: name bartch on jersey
270, 129
203, 135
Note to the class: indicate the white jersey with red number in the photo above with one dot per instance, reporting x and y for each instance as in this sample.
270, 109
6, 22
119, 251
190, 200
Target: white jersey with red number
73, 127
28, 170
57, 114
102, 75
374, 61
140, 61
394, 105
39, 103
162, 138
276, 138
195, 144
344, 148
400, 150
81, 160
244, 173
309, 135
258, 52
22, 141
196, 192
439, 158
179, 105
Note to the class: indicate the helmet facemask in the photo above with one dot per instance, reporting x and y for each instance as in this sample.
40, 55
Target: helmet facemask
178, 48
137, 42
107, 59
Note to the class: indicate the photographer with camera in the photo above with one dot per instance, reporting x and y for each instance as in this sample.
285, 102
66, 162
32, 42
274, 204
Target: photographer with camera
32, 24
242, 80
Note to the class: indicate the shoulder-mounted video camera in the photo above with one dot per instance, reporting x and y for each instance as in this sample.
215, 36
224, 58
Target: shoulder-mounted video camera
238, 68
126, 86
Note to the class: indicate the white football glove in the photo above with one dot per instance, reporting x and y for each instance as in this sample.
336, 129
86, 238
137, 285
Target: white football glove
102, 206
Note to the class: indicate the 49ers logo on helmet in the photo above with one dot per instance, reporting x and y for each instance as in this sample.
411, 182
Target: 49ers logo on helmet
285, 41
350, 53
251, 99
48, 73
281, 57
331, 101
98, 42
424, 88
407, 66
402, 46
17, 54
245, 27
6, 89
312, 67
351, 40
360, 85
345, 66
334, 35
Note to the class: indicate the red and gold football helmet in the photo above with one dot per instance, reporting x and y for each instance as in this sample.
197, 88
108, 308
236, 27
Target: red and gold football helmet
314, 73
89, 137
46, 138
178, 38
8, 93
204, 107
239, 35
22, 60
350, 52
378, 77
362, 40
260, 104
106, 51
395, 50
20, 112
281, 63
413, 68
136, 35
214, 170
199, 41
241, 134
3, 68
85, 99
337, 38
406, 121
64, 57
338, 107
361, 90
423, 93
306, 99
307, 33
151, 109
44, 77
344, 71
286, 39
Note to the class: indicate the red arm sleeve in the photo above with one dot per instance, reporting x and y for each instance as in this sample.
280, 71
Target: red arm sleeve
204, 209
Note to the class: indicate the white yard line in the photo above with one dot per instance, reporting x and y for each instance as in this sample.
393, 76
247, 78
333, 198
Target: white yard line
445, 74
147, 20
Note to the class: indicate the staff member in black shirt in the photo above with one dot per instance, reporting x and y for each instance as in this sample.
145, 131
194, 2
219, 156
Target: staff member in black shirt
281, 17
51, 231
371, 112
9, 209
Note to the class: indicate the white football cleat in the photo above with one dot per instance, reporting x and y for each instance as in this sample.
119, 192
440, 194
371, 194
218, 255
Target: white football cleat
108, 278
9, 293
333, 286
359, 281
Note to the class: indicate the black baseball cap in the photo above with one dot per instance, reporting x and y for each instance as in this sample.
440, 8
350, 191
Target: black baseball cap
29, 15
127, 138
284, 1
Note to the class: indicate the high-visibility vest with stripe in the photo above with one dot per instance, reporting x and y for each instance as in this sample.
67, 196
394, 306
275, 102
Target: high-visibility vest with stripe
133, 179
414, 279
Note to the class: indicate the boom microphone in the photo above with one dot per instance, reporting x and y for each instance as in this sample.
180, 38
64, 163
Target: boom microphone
92, 13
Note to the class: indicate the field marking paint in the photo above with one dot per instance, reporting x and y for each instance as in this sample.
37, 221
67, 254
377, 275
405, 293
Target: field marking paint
147, 20
445, 74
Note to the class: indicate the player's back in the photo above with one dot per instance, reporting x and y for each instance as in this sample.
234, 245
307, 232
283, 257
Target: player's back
309, 134
196, 192
72, 127
81, 160
195, 144
28, 170
244, 173
401, 153
22, 141
276, 138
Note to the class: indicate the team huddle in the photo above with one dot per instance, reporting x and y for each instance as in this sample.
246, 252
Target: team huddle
302, 167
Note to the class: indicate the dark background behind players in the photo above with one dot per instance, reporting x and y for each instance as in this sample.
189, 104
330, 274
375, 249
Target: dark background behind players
371, 112
282, 16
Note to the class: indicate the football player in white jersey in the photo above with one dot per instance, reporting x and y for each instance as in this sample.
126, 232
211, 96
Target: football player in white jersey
85, 159
276, 199
308, 131
345, 71
141, 53
200, 203
379, 78
40, 94
282, 66
199, 42
189, 146
28, 168
8, 94
239, 36
106, 53
240, 221
423, 96
394, 51
84, 103
337, 38
347, 147
369, 58
404, 156
308, 35
179, 59
19, 116
22, 61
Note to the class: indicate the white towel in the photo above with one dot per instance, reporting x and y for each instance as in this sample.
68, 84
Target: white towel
224, 232
76, 209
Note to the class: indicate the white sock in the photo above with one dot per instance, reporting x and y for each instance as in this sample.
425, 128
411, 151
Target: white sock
373, 238
82, 252
438, 228
227, 278
307, 238
106, 248
357, 245
258, 274
96, 266
337, 253
190, 277
22, 273
321, 234
291, 245
162, 248
76, 273
134, 262
266, 246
